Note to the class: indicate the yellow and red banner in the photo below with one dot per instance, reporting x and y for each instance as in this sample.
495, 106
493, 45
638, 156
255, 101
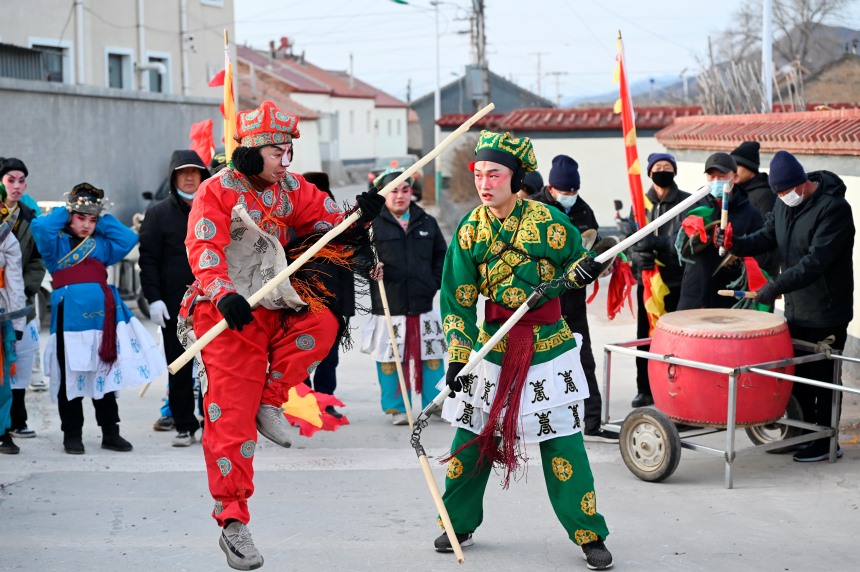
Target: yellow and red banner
654, 289
228, 107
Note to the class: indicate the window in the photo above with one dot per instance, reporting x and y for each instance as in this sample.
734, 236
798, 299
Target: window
118, 68
398, 127
351, 122
159, 79
215, 3
389, 128
369, 122
57, 58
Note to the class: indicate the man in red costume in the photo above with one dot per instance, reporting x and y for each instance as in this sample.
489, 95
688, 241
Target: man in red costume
253, 208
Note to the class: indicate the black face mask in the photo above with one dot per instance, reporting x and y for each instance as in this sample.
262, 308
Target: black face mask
662, 178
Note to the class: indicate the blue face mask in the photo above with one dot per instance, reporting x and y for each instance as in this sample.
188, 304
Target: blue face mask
718, 188
185, 196
567, 201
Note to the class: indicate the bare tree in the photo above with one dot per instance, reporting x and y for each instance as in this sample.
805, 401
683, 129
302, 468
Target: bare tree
795, 26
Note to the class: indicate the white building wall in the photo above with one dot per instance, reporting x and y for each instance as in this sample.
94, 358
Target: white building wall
320, 102
391, 131
108, 24
355, 128
307, 148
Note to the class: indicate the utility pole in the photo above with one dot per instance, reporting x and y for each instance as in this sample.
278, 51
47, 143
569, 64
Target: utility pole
479, 47
409, 90
767, 55
538, 55
557, 75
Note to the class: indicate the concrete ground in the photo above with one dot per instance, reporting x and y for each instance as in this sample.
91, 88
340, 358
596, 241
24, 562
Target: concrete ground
355, 499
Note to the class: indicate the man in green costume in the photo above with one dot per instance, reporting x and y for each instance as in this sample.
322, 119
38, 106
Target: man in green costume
530, 389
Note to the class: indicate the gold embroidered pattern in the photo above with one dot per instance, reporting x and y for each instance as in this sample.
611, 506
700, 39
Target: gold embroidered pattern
513, 297
511, 223
388, 367
455, 468
588, 504
466, 294
584, 537
562, 468
554, 340
556, 236
433, 364
459, 354
453, 322
466, 236
546, 269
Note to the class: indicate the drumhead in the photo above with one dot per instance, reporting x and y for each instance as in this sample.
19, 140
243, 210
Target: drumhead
720, 320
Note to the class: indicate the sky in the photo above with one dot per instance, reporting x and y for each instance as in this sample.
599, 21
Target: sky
571, 42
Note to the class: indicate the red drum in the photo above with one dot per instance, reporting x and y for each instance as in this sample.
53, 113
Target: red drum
719, 337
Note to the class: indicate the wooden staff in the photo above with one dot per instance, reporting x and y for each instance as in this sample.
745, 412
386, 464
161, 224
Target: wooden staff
736, 293
269, 286
724, 216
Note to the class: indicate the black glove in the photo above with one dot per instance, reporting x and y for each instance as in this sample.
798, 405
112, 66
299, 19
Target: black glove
370, 203
235, 310
454, 369
645, 260
766, 294
19, 335
652, 243
584, 272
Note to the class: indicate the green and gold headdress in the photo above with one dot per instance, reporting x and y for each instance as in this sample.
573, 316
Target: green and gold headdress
503, 149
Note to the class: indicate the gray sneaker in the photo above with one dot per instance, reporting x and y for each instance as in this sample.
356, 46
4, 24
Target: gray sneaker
272, 425
184, 439
236, 543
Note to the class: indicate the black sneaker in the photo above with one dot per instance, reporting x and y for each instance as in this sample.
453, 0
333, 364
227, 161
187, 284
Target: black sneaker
112, 440
7, 445
642, 400
600, 436
442, 544
816, 452
164, 424
597, 557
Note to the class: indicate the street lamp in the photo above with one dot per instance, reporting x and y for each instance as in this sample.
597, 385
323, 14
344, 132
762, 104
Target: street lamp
437, 106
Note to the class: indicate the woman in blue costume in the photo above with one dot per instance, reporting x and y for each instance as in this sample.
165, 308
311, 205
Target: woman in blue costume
102, 347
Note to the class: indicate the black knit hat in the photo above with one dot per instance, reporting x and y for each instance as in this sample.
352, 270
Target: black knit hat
746, 155
12, 164
564, 174
786, 172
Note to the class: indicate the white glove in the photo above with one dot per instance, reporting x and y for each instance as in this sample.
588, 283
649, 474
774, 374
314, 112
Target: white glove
158, 313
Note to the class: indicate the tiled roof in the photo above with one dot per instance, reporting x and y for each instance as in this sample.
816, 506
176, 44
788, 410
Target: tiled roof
457, 119
296, 80
832, 132
271, 88
598, 118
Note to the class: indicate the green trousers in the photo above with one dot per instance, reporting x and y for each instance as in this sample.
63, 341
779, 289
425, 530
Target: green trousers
569, 484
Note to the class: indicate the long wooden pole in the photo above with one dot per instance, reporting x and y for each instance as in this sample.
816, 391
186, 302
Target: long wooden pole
269, 286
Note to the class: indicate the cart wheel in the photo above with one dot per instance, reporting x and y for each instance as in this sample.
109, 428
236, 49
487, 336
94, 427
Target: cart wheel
650, 444
764, 434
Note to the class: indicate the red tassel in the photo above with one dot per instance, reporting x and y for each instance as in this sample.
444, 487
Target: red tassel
107, 349
412, 353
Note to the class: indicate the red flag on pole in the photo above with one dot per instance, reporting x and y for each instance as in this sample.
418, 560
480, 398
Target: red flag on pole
202, 140
654, 289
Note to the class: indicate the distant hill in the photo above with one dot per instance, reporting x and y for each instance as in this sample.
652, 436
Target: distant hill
827, 43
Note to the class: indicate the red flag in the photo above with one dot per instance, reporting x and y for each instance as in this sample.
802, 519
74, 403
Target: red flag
218, 79
620, 285
202, 140
305, 408
755, 276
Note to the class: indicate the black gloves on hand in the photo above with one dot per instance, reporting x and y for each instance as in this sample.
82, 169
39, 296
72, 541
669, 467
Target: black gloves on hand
651, 243
19, 335
370, 203
584, 272
236, 311
645, 259
454, 384
766, 294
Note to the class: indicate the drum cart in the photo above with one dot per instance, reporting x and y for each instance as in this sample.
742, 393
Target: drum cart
651, 443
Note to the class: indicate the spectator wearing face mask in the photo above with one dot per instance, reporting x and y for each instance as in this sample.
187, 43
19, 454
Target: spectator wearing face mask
562, 192
703, 274
659, 247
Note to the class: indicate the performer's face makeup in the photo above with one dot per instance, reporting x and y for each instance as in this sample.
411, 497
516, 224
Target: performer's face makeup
82, 225
16, 184
493, 182
397, 201
275, 161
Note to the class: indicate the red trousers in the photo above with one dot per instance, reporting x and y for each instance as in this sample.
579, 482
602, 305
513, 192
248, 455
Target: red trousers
245, 369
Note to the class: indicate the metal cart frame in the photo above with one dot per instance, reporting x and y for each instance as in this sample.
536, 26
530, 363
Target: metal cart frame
731, 452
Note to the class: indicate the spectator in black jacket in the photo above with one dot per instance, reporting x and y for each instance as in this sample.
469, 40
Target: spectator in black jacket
664, 194
165, 275
562, 192
411, 251
755, 185
813, 228
341, 283
703, 276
